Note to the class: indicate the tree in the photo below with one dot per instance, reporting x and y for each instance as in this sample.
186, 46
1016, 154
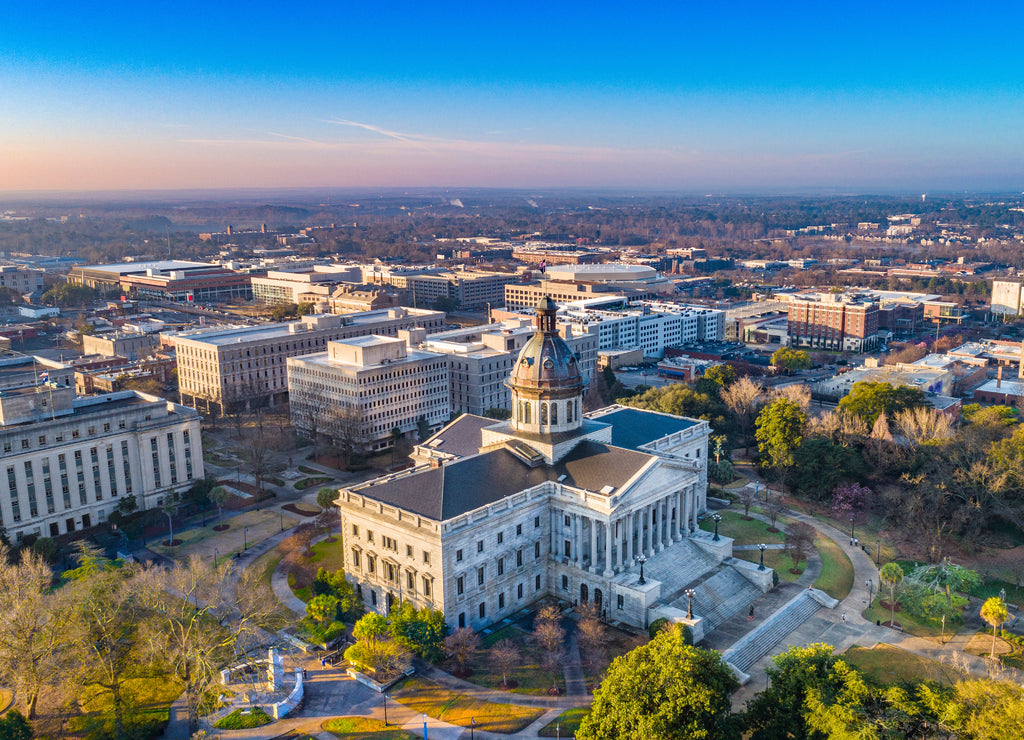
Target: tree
788, 359
779, 433
33, 625
169, 509
748, 496
891, 575
849, 499
14, 726
778, 711
995, 613
773, 507
868, 399
798, 393
323, 608
496, 412
305, 308
422, 631
326, 497
505, 656
819, 465
218, 496
742, 398
724, 375
799, 541
460, 646
664, 689
195, 621
591, 633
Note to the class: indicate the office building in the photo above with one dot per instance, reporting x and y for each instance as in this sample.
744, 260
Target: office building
366, 388
246, 366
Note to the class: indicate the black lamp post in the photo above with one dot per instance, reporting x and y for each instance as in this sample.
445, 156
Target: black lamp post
385, 710
852, 527
641, 558
690, 593
762, 547
282, 520
245, 539
472, 722
871, 590
717, 518
878, 552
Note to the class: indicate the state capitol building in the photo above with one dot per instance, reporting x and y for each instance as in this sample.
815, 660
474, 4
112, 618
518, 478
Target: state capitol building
552, 502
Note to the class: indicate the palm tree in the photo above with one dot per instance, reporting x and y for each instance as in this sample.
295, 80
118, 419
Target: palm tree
891, 575
169, 508
994, 612
218, 495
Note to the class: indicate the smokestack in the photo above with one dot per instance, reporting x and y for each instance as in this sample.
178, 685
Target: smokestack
999, 377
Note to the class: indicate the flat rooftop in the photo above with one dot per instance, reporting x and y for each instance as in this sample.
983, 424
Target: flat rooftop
128, 268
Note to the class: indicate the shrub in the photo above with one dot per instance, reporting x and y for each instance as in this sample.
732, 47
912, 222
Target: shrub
656, 626
238, 721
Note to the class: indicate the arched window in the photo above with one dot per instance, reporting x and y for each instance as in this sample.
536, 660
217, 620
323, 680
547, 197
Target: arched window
554, 413
526, 411
568, 411
543, 413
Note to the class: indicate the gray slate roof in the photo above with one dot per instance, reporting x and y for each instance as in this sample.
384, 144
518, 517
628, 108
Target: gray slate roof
469, 483
462, 437
634, 427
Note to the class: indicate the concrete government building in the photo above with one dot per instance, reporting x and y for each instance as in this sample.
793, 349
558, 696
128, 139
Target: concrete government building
68, 462
553, 502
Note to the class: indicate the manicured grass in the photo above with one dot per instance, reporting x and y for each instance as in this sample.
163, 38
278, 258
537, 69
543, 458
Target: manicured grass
303, 594
567, 723
351, 728
306, 483
266, 564
743, 532
238, 721
150, 698
886, 665
204, 541
836, 577
529, 676
427, 697
1014, 594
309, 471
329, 553
917, 626
778, 560
5, 698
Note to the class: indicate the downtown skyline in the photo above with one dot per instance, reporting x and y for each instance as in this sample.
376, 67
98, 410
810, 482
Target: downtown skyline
694, 98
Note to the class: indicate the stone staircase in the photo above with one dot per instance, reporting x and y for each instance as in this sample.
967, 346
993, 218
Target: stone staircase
679, 566
759, 642
720, 595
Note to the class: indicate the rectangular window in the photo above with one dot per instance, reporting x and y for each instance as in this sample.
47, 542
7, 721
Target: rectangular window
619, 601
426, 586
408, 551
536, 522
171, 458
460, 586
369, 535
480, 546
483, 610
355, 530
462, 619
568, 548
127, 466
501, 566
536, 549
156, 461
536, 583
33, 507
458, 556
480, 576
501, 537
567, 520
565, 583
12, 486
111, 473
519, 591
426, 557
501, 601
410, 581
94, 458
519, 529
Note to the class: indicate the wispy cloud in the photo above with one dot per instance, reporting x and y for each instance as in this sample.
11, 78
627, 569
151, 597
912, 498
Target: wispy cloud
397, 136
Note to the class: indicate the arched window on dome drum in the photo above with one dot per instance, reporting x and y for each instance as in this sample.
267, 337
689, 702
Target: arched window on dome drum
524, 411
554, 413
568, 411
543, 413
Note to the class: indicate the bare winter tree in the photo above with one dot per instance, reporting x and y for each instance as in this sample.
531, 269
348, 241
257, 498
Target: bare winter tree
799, 394
748, 496
348, 431
799, 541
921, 425
33, 626
591, 633
548, 632
743, 399
505, 656
460, 646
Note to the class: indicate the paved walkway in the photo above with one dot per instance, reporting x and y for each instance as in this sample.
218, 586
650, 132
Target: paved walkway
829, 627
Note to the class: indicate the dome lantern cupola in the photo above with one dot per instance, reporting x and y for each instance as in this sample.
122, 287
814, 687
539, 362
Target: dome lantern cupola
546, 383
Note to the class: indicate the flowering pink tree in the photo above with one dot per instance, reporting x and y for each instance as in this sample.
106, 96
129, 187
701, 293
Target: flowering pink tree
849, 499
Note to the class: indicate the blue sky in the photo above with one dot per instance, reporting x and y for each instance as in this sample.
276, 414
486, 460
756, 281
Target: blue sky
740, 96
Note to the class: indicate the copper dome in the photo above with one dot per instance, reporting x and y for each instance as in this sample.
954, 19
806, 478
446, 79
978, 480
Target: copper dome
546, 362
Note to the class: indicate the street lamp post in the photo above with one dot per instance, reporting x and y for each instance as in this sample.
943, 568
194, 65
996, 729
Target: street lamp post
690, 593
472, 721
852, 526
762, 547
424, 726
385, 710
717, 518
282, 520
878, 552
870, 586
245, 539
216, 555
641, 558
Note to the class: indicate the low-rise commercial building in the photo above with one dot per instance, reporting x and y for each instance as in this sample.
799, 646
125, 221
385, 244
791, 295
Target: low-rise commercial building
124, 344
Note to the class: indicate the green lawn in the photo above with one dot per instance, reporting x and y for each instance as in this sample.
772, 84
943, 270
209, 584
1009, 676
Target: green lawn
912, 625
309, 471
329, 553
256, 717
779, 560
1014, 594
566, 723
351, 728
886, 664
424, 696
529, 676
836, 577
751, 532
148, 698
306, 483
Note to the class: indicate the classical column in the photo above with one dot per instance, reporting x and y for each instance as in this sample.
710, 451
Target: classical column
593, 543
685, 521
576, 538
695, 507
556, 546
627, 527
608, 548
656, 527
677, 526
